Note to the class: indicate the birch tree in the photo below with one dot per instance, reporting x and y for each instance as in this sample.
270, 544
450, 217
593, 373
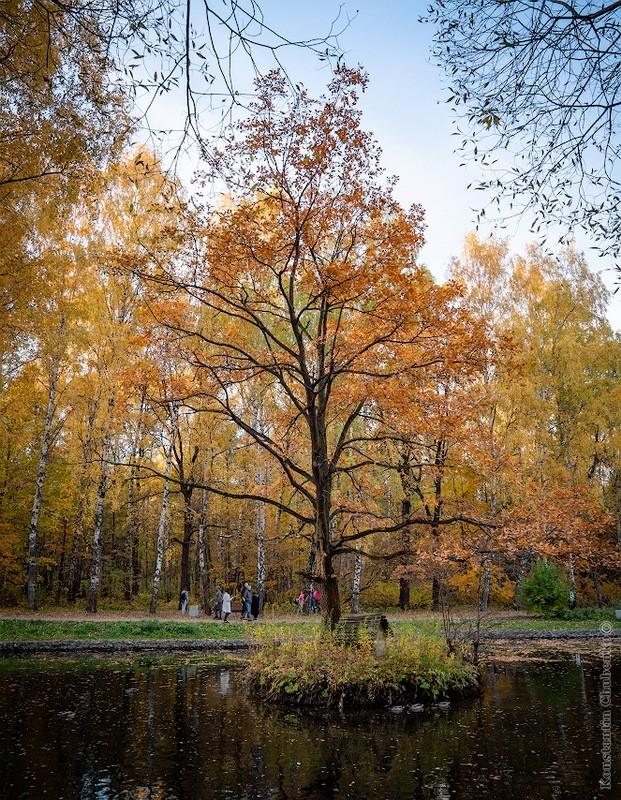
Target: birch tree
103, 484
162, 541
46, 442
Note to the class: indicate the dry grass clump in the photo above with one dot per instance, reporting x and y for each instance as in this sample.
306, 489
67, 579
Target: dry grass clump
325, 673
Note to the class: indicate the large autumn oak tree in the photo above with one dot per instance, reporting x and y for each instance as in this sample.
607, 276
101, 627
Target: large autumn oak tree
303, 286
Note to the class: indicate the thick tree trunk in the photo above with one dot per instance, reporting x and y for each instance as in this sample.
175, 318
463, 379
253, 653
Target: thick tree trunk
46, 443
324, 569
162, 536
324, 573
332, 614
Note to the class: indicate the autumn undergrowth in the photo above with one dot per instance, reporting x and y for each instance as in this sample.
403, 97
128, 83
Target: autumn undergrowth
323, 672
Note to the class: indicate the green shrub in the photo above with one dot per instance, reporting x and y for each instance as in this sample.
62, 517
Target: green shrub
545, 591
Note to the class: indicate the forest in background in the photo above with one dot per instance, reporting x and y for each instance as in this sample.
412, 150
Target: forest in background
270, 387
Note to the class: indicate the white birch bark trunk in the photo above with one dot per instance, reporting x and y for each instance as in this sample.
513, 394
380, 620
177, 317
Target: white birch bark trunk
259, 532
162, 534
131, 530
260, 478
572, 583
202, 560
97, 547
355, 595
46, 443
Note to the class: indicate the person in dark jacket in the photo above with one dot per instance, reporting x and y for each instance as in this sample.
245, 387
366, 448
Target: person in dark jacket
246, 597
254, 605
217, 609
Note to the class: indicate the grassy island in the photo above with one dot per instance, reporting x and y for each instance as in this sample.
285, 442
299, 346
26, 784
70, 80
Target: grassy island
327, 674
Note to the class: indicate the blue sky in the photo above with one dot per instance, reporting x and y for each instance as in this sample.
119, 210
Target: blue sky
404, 108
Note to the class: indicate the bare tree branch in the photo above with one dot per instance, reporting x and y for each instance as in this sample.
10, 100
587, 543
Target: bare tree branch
538, 86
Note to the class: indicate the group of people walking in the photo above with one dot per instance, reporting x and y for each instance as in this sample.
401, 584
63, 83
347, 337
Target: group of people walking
223, 600
250, 603
309, 601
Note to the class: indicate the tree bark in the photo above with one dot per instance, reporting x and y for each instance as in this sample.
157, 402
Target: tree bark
572, 583
440, 458
406, 510
485, 585
203, 551
162, 535
130, 535
322, 474
355, 595
519, 582
188, 534
97, 548
78, 543
259, 532
333, 599
131, 543
46, 443
597, 587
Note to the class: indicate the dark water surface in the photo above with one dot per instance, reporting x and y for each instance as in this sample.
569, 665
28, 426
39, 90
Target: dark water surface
182, 730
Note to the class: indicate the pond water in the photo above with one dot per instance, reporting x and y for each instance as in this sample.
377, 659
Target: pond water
180, 729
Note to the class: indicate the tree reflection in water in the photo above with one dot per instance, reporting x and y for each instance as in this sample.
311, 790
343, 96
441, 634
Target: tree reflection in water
183, 730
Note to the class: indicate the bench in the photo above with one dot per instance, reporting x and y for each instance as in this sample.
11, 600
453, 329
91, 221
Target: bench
351, 626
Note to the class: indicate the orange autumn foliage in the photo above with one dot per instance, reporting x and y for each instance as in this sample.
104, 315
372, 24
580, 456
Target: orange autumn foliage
310, 293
